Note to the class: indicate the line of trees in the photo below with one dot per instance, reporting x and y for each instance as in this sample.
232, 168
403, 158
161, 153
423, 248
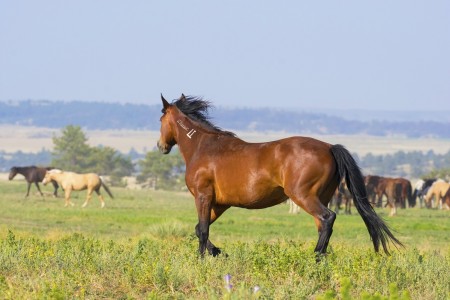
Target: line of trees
71, 152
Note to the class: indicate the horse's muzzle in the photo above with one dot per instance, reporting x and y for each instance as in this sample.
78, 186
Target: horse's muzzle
164, 148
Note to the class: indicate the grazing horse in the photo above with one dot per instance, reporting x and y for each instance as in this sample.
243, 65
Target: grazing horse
421, 188
223, 171
70, 181
34, 175
437, 191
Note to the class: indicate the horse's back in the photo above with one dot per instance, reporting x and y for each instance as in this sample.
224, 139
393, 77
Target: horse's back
440, 188
81, 181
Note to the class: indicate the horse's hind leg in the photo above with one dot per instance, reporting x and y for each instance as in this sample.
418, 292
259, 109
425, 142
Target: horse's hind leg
314, 200
100, 197
324, 222
323, 216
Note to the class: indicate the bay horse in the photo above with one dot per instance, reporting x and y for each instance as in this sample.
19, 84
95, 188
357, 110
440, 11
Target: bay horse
34, 175
223, 171
71, 181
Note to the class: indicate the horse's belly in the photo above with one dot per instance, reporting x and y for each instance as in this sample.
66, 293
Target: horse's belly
251, 198
78, 187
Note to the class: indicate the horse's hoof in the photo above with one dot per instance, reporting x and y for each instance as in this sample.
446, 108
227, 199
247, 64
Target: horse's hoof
215, 251
319, 257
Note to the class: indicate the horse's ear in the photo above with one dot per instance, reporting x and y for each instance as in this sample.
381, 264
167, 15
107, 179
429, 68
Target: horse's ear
183, 97
165, 103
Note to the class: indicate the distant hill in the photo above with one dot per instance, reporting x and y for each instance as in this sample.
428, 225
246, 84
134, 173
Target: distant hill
100, 115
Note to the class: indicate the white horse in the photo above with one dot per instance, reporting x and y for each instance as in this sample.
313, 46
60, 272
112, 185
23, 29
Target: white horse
293, 208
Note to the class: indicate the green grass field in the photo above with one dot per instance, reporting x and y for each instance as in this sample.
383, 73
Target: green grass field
142, 246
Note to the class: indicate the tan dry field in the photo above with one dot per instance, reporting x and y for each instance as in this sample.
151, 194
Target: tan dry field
34, 139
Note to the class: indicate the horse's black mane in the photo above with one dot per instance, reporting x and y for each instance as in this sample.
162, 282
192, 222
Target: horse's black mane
197, 109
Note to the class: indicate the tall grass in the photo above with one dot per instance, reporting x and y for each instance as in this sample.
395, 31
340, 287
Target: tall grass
142, 246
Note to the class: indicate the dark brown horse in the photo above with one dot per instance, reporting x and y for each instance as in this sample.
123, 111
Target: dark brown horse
374, 193
34, 175
223, 171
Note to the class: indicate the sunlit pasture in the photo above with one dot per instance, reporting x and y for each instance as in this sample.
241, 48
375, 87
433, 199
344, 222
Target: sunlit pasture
141, 245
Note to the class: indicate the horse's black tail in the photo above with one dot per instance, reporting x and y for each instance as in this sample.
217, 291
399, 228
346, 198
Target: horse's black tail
348, 169
409, 194
414, 196
399, 195
106, 188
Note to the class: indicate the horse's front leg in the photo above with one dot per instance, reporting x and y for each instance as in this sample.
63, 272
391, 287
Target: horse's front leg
39, 189
213, 250
88, 197
28, 189
203, 204
67, 193
216, 212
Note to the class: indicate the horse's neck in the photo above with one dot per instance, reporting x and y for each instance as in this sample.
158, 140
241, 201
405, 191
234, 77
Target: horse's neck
23, 170
56, 177
190, 137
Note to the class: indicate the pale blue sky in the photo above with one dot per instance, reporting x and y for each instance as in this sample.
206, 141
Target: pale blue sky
295, 54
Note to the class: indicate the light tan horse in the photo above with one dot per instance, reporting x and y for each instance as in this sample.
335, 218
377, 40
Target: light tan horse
70, 181
437, 191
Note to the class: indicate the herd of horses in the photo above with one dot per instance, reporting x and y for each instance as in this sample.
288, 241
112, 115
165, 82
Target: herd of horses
69, 181
398, 193
223, 171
